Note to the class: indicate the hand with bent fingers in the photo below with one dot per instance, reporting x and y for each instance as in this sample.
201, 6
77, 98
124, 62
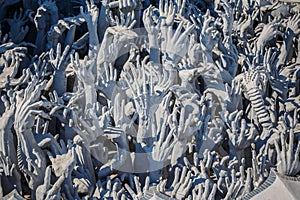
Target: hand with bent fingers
127, 5
115, 36
177, 43
268, 32
209, 33
293, 24
151, 25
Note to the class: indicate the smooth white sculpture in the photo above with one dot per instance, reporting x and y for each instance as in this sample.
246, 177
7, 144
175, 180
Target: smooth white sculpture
133, 99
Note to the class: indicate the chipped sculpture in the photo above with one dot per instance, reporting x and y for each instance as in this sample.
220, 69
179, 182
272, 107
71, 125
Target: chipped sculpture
145, 99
